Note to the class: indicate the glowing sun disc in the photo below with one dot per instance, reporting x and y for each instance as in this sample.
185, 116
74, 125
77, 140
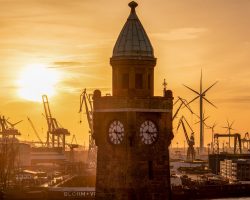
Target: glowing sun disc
36, 80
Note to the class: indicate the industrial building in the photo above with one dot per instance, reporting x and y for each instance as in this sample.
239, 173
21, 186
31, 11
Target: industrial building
226, 168
214, 160
235, 170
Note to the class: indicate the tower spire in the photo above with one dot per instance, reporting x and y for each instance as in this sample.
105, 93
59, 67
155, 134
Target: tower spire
133, 40
133, 60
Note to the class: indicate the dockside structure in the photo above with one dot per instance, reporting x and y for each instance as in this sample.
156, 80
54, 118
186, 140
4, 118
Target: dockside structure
214, 160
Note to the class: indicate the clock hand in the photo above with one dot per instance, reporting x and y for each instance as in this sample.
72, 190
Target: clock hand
148, 135
151, 134
118, 135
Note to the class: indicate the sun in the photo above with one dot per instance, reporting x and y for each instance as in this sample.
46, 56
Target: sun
36, 80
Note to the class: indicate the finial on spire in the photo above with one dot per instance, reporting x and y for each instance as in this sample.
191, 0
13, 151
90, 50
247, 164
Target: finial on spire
133, 5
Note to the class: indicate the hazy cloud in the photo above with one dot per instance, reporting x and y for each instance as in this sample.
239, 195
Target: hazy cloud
180, 34
74, 64
240, 99
67, 64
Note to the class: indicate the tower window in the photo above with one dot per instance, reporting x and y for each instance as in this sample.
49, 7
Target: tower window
138, 81
125, 81
149, 81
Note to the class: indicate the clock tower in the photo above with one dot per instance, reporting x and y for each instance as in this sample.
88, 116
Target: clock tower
133, 128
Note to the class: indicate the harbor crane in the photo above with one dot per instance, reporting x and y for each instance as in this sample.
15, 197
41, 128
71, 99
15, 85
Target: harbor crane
7, 129
72, 146
35, 131
57, 133
8, 151
183, 102
92, 152
237, 142
246, 140
190, 140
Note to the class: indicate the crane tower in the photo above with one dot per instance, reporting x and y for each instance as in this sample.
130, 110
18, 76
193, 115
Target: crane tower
86, 100
190, 140
55, 134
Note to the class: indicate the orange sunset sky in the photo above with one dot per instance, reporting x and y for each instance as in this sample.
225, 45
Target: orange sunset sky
61, 47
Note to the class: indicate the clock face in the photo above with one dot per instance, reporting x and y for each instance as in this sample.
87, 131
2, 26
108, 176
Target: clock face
148, 132
116, 132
